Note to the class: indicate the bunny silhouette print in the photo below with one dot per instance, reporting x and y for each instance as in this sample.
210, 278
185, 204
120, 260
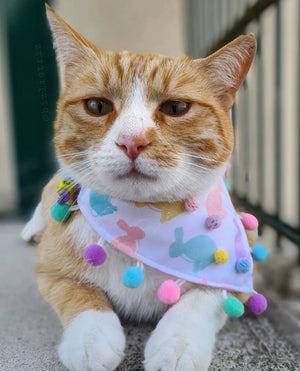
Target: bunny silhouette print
168, 210
239, 248
199, 249
214, 202
129, 244
101, 204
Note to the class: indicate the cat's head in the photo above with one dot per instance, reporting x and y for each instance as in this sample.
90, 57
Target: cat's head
145, 127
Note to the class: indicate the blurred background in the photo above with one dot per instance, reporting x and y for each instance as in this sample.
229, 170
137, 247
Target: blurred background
264, 174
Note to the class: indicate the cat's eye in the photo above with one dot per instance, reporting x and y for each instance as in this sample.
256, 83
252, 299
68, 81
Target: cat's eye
99, 107
174, 108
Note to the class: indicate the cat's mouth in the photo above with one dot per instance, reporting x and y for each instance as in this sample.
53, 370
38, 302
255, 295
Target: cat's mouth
136, 175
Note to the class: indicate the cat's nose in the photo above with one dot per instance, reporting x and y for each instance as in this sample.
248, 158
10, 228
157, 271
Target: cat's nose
132, 146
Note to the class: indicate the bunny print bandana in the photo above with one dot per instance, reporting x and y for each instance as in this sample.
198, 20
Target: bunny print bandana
180, 243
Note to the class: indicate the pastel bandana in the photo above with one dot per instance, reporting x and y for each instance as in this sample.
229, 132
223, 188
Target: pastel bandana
178, 242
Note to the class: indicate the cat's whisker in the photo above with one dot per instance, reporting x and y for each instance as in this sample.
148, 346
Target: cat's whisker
197, 165
199, 157
80, 164
203, 156
82, 171
81, 176
223, 148
72, 155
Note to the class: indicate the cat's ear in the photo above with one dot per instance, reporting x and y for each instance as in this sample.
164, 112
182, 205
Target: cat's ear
227, 68
71, 48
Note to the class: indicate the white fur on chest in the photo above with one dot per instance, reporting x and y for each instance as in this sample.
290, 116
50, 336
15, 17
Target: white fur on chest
140, 303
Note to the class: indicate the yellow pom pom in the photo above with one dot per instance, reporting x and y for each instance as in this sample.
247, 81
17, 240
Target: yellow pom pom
64, 184
221, 256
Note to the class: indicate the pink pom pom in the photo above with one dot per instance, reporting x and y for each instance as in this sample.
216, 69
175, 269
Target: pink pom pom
169, 292
257, 304
249, 221
192, 204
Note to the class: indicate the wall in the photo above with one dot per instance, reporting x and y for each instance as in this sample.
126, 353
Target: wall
141, 26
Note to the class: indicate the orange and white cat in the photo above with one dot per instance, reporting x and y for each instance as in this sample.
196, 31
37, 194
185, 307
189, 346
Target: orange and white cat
146, 128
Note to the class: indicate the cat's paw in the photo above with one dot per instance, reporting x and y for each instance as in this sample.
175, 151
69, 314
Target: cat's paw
94, 341
28, 234
175, 348
176, 355
34, 229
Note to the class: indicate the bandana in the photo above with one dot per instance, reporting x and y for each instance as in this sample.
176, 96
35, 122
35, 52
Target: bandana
203, 246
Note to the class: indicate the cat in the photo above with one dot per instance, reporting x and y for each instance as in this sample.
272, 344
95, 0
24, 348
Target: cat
142, 128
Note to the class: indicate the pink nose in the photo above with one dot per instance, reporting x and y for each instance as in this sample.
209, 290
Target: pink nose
132, 146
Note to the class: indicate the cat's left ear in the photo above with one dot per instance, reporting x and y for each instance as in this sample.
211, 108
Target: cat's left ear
72, 49
227, 68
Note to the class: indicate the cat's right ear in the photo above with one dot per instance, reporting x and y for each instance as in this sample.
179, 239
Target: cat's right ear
71, 48
227, 68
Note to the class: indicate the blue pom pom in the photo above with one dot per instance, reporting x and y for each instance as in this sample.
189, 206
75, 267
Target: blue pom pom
233, 307
133, 277
259, 253
60, 212
242, 265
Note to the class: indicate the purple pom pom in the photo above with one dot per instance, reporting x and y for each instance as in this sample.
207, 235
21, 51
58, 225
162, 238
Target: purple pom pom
63, 196
257, 304
213, 221
94, 255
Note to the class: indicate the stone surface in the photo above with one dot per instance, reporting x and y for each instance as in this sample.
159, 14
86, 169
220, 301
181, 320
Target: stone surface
30, 331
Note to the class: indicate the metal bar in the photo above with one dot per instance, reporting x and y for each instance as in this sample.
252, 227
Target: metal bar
234, 160
201, 43
251, 14
277, 154
246, 146
189, 34
220, 18
260, 131
299, 128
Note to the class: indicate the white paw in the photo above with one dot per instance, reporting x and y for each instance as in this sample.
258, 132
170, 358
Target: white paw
94, 341
184, 338
176, 351
34, 229
30, 235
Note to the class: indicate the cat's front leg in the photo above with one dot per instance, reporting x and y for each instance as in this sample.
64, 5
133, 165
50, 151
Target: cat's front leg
93, 338
185, 336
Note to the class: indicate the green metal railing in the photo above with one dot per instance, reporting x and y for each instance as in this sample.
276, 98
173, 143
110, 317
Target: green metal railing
204, 39
34, 91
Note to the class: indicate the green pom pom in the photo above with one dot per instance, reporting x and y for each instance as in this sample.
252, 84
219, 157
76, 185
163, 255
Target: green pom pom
60, 212
233, 307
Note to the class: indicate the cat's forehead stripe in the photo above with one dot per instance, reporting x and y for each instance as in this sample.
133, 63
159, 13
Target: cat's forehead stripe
146, 67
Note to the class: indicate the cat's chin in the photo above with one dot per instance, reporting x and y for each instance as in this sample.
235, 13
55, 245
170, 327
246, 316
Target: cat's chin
145, 188
136, 186
136, 176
